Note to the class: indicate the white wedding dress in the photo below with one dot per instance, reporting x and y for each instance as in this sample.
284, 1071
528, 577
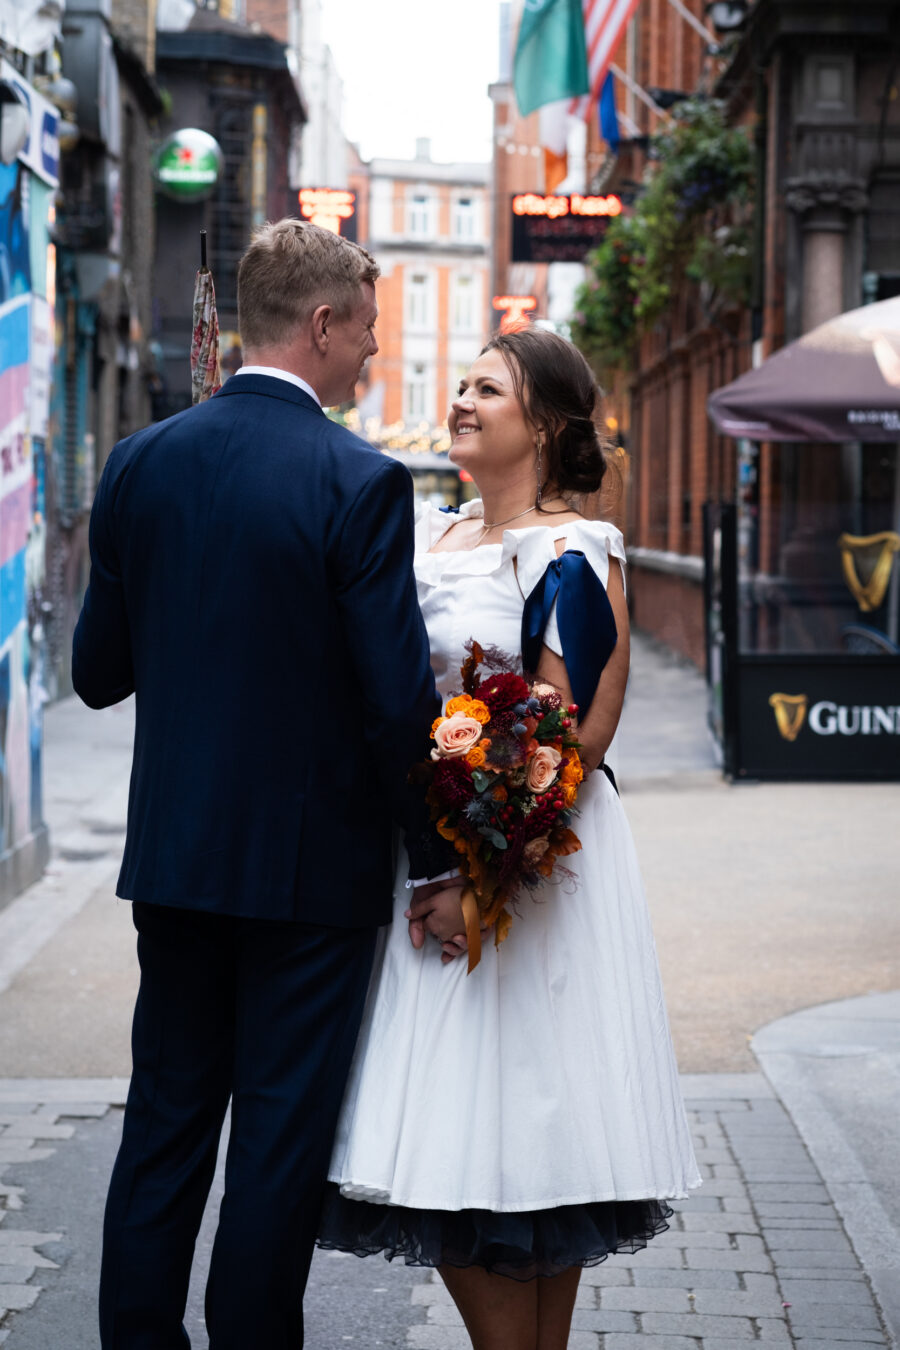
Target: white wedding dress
546, 1078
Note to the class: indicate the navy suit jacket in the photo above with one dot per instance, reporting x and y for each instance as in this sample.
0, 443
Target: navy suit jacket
251, 582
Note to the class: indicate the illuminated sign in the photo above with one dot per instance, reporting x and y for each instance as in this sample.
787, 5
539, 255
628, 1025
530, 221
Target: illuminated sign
332, 209
188, 164
515, 310
559, 228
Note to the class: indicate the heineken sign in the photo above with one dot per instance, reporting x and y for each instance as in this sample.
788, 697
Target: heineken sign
187, 165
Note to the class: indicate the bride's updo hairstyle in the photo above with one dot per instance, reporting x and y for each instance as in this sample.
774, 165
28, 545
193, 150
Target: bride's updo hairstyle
559, 396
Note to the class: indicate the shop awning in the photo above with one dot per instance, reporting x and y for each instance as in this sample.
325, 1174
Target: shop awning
839, 382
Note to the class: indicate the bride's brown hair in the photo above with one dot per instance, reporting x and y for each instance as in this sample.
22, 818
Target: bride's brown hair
559, 397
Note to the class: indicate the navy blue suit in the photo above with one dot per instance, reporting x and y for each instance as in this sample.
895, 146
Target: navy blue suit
251, 583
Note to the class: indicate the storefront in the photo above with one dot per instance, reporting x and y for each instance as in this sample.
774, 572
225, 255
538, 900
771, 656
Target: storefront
803, 569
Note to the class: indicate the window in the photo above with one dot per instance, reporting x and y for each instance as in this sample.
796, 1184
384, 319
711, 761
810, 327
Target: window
464, 218
416, 393
419, 307
464, 311
418, 214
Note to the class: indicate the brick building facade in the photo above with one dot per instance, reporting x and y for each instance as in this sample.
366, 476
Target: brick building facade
427, 224
817, 90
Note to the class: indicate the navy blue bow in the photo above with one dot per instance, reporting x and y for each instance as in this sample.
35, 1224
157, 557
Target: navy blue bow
584, 616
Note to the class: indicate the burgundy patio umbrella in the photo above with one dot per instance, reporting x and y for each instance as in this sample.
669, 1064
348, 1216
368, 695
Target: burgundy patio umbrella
839, 382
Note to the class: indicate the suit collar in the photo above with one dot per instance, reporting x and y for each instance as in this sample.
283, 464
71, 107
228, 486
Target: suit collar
271, 386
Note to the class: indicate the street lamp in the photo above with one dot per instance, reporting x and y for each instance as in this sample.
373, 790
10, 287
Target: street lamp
727, 15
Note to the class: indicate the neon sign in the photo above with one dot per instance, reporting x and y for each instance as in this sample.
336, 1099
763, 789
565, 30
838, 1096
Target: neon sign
558, 228
515, 310
332, 209
530, 204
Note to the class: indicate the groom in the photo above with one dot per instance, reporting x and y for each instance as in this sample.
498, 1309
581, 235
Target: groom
251, 581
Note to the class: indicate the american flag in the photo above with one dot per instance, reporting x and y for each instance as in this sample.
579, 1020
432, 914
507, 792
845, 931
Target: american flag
604, 23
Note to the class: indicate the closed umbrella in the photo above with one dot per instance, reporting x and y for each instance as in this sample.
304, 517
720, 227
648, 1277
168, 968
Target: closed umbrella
839, 382
206, 376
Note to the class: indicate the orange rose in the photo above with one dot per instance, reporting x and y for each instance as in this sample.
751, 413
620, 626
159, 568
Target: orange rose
455, 736
477, 756
472, 707
542, 767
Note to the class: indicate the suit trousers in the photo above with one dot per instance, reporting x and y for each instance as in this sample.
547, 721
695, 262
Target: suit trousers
265, 1014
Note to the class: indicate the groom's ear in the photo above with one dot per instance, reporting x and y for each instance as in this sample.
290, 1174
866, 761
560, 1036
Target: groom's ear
322, 319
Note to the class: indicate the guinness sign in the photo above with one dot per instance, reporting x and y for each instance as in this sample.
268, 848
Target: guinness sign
838, 718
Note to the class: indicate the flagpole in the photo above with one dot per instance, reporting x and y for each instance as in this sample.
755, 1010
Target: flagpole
695, 23
639, 92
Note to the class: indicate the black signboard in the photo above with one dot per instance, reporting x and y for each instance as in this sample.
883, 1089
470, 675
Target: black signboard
559, 228
829, 718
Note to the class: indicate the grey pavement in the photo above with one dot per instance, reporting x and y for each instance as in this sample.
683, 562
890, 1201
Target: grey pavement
792, 1241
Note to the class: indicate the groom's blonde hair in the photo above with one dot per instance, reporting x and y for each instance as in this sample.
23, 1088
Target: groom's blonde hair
291, 268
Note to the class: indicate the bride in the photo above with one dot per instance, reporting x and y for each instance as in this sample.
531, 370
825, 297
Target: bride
513, 1126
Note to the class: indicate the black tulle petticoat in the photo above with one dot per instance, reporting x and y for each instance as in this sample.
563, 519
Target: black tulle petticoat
520, 1245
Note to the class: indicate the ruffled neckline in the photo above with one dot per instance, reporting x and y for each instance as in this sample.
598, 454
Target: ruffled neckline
533, 546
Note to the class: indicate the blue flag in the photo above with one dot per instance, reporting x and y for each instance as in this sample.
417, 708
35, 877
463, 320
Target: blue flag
606, 111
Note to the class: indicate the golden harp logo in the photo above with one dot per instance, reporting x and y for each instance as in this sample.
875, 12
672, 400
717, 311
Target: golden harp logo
867, 561
790, 713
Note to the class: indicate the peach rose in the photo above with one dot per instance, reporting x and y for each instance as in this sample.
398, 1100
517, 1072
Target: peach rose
542, 768
455, 736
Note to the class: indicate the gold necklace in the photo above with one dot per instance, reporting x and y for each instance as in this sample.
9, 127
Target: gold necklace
495, 524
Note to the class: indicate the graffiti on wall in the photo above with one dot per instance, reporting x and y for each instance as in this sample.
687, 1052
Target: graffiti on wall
21, 562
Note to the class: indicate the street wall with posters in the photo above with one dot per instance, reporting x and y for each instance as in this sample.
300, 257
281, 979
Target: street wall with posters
26, 346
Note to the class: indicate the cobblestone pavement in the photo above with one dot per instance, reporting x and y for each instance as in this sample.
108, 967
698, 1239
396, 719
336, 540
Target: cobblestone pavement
758, 1255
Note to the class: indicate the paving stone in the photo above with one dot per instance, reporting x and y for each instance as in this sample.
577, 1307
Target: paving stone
444, 1315
744, 1303
674, 1324
719, 1223
816, 1343
774, 1331
762, 1284
682, 1279
30, 1128
20, 1150
24, 1255
793, 1174
812, 1313
813, 1256
723, 1187
643, 1300
803, 1194
17, 1274
606, 1274
713, 1259
712, 1155
810, 1239
10, 1112
642, 1342
818, 1273
698, 1204
21, 1237
842, 1337
443, 1338
767, 1209
801, 1225
15, 1297
737, 1204
583, 1319
835, 1291
702, 1238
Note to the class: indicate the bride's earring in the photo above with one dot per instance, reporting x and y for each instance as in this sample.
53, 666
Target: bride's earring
540, 471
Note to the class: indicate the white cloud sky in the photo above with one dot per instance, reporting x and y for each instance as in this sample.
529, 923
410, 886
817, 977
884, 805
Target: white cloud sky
416, 68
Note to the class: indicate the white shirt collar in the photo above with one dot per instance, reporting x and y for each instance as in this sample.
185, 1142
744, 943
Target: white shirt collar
277, 374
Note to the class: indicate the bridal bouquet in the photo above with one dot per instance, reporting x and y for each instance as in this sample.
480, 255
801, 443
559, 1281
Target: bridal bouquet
501, 783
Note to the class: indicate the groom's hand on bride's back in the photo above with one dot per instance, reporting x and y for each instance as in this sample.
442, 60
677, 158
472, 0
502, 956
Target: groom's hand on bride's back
436, 911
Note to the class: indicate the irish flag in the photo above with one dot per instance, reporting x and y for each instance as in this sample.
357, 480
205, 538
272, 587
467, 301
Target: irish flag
551, 60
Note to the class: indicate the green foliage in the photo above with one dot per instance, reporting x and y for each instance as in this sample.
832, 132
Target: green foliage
691, 220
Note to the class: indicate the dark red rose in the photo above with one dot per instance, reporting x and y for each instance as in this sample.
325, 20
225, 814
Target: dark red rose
502, 691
